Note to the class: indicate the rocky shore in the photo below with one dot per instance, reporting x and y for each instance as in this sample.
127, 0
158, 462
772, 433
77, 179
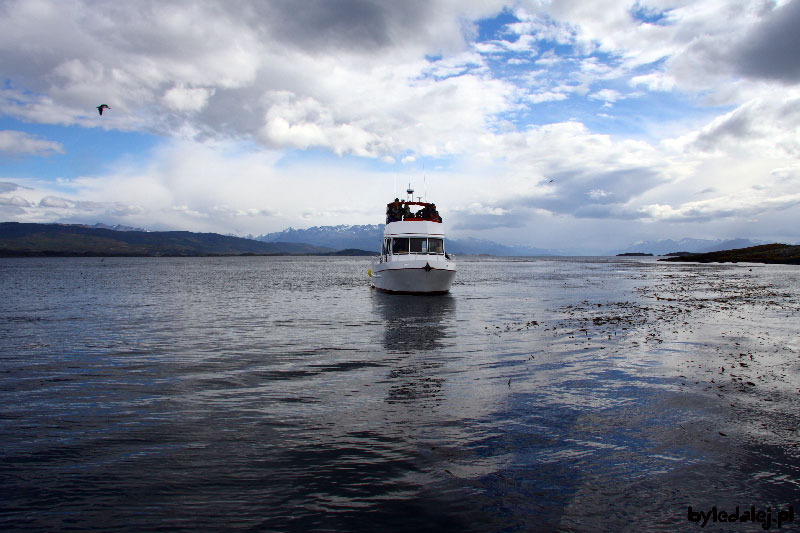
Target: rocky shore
724, 336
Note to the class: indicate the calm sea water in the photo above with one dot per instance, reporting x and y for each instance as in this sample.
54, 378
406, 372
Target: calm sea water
284, 394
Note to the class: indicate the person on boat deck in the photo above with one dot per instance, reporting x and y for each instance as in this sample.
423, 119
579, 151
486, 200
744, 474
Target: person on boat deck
406, 211
434, 214
424, 213
393, 211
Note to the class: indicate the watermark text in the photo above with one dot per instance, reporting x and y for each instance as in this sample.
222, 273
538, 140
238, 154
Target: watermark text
766, 517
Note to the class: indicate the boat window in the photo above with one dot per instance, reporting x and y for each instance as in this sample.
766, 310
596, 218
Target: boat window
419, 245
436, 246
399, 246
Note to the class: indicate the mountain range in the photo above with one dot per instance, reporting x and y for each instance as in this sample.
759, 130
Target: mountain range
369, 236
76, 239
22, 239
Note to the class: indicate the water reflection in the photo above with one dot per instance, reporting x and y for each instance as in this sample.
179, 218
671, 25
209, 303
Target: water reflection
414, 322
415, 326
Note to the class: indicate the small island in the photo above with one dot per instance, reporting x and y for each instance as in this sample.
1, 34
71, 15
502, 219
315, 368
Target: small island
634, 254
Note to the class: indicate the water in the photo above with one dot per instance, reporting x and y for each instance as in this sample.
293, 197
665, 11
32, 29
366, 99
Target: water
284, 394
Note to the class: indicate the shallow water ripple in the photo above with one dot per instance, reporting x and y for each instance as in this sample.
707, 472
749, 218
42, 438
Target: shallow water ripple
278, 393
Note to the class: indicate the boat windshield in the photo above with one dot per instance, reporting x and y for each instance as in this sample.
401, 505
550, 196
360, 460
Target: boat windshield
399, 246
417, 245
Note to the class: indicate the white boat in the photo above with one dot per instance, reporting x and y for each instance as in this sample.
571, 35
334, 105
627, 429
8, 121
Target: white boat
413, 259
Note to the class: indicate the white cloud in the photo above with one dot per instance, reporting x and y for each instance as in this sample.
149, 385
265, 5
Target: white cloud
609, 96
21, 143
548, 96
655, 81
185, 99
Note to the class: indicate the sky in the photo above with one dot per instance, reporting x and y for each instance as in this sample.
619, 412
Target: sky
569, 125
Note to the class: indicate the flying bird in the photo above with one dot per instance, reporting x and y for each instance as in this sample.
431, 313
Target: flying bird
101, 107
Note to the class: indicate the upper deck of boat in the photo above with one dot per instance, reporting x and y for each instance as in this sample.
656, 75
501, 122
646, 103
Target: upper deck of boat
401, 211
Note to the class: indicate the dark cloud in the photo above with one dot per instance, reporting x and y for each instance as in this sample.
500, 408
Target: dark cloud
7, 186
16, 201
772, 49
472, 221
761, 125
358, 25
593, 194
736, 126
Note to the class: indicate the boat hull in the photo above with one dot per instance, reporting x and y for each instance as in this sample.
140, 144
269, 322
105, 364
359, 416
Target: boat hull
417, 277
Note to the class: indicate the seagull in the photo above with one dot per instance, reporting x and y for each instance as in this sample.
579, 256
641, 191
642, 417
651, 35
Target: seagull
101, 107
551, 181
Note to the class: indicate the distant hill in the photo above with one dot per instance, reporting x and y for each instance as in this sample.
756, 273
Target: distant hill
766, 253
351, 252
368, 237
21, 239
668, 246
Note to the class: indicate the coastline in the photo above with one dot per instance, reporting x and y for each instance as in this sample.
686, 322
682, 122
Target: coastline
776, 253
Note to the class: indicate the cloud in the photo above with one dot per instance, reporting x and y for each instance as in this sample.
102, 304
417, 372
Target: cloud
251, 99
655, 81
185, 99
547, 96
16, 201
770, 49
365, 27
465, 220
21, 143
739, 206
607, 96
698, 46
346, 75
7, 186
763, 126
58, 202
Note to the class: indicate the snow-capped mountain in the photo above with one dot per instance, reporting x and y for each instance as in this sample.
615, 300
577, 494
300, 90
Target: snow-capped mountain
368, 237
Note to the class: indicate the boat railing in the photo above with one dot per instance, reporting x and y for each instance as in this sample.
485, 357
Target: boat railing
400, 252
